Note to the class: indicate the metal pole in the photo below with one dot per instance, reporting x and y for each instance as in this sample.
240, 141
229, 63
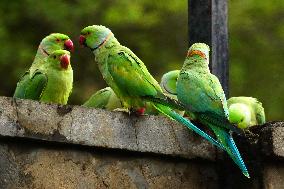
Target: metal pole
208, 23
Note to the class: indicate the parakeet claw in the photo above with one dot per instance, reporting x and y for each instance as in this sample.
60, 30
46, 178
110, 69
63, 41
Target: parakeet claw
122, 110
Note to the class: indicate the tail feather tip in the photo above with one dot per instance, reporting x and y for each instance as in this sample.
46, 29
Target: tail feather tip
247, 174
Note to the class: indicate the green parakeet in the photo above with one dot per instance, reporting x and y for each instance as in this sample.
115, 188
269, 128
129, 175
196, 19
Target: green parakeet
127, 75
50, 43
105, 99
52, 82
169, 83
246, 111
200, 89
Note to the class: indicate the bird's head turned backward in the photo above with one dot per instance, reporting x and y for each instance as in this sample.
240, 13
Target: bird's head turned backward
59, 59
55, 41
198, 50
94, 36
168, 82
239, 114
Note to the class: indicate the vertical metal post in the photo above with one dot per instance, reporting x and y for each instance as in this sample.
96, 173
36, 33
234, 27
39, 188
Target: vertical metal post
208, 23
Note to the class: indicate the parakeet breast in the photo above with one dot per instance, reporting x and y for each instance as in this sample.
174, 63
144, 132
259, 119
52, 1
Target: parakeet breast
59, 86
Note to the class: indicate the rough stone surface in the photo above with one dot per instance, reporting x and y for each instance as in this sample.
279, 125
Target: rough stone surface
45, 167
8, 117
52, 146
278, 139
271, 139
274, 175
9, 173
100, 128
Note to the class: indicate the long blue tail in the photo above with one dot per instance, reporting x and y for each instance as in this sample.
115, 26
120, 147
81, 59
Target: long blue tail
227, 141
173, 115
237, 156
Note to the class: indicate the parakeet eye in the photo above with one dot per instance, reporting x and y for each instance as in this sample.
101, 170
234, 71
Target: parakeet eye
57, 40
54, 57
88, 33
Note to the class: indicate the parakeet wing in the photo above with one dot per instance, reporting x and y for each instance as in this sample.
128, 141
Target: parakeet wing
22, 85
131, 75
99, 99
207, 98
217, 97
36, 86
202, 94
218, 92
259, 113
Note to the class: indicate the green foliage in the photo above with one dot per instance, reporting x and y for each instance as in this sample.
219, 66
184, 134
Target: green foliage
156, 31
257, 52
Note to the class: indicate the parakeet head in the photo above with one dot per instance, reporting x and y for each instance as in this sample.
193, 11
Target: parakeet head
53, 42
59, 59
198, 51
168, 82
239, 114
95, 36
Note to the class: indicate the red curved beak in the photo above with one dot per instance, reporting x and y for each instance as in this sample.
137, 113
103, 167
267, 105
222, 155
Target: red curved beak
65, 61
68, 45
82, 40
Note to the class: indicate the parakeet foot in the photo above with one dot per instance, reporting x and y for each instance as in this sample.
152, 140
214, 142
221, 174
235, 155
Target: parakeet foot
138, 112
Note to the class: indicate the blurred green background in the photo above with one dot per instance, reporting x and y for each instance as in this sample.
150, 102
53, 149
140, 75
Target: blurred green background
157, 32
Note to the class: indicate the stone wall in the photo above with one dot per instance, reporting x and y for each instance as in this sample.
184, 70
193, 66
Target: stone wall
52, 146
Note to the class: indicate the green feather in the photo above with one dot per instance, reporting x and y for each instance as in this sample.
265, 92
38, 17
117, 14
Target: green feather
21, 86
127, 75
105, 99
47, 46
51, 83
202, 91
168, 82
36, 86
246, 111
